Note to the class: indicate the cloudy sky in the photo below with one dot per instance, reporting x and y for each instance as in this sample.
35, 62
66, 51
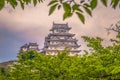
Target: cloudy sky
32, 24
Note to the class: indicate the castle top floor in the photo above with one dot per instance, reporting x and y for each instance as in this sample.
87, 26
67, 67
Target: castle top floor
60, 28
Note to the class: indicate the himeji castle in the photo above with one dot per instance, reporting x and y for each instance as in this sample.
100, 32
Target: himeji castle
59, 39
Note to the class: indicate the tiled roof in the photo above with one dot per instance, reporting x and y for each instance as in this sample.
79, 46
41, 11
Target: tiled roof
60, 26
25, 46
33, 44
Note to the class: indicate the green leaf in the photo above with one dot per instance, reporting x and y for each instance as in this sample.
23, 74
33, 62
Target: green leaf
22, 4
82, 1
81, 17
13, 3
34, 2
75, 7
59, 7
66, 15
2, 3
67, 7
61, 1
104, 2
52, 2
93, 4
114, 3
28, 1
88, 11
40, 1
52, 9
87, 5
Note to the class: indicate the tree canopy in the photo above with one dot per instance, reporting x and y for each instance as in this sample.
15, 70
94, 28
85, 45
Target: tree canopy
103, 63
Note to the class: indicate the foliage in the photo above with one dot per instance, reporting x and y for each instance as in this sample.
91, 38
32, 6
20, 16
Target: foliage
70, 7
2, 73
79, 8
103, 63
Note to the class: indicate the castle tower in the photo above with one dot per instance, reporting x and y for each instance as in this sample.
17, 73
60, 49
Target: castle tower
30, 46
59, 39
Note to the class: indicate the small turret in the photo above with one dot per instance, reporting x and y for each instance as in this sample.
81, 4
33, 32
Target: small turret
30, 46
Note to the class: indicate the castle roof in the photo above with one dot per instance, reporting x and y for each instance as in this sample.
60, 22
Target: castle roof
24, 46
61, 40
33, 44
60, 34
62, 50
60, 26
30, 44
